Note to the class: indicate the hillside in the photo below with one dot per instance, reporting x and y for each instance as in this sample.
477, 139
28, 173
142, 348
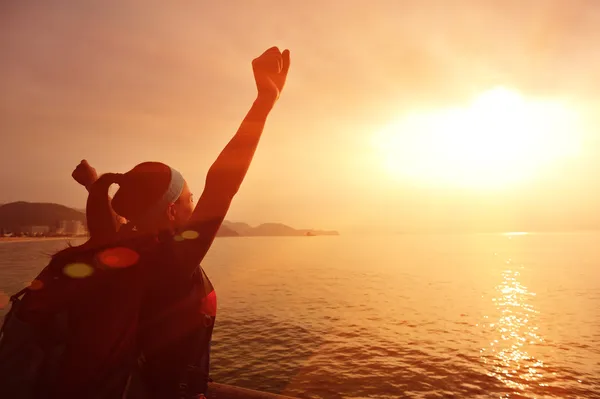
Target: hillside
274, 229
15, 215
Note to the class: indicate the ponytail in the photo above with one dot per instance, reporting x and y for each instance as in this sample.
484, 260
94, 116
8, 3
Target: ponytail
101, 219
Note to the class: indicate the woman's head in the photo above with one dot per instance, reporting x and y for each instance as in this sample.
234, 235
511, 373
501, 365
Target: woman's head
153, 196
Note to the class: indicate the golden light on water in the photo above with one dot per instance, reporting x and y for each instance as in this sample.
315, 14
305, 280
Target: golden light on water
507, 357
515, 233
499, 139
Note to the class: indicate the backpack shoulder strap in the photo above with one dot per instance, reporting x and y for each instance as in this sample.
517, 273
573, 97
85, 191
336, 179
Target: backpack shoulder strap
20, 355
14, 300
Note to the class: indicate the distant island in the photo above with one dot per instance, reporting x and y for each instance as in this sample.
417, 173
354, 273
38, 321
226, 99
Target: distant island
274, 229
54, 220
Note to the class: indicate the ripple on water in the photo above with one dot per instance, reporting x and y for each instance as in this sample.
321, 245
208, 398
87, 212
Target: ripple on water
464, 324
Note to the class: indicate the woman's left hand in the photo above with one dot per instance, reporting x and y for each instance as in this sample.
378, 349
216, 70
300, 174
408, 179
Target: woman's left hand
270, 73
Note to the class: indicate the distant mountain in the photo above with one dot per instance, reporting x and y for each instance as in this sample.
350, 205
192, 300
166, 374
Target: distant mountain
225, 231
16, 215
274, 229
241, 228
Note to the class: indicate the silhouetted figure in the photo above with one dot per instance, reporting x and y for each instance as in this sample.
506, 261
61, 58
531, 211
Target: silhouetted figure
139, 289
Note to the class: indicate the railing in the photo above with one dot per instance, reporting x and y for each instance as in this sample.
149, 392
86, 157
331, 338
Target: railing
222, 391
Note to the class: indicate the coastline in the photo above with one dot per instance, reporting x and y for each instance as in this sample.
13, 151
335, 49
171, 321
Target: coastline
32, 239
71, 238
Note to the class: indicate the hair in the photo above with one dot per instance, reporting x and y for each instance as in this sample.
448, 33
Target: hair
140, 189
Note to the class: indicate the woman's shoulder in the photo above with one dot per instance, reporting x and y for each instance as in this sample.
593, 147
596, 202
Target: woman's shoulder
116, 254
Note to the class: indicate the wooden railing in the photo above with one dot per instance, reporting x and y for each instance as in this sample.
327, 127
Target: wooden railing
222, 391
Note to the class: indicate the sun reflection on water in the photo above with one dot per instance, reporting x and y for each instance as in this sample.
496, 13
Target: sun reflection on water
514, 331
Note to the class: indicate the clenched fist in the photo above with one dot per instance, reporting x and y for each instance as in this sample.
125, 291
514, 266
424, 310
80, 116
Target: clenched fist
84, 174
270, 72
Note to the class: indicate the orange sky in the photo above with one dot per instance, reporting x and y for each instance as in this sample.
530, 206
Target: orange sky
121, 82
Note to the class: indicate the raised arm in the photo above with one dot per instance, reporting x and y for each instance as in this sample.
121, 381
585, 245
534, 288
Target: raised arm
102, 221
228, 171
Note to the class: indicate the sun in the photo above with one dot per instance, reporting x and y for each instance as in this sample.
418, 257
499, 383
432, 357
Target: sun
500, 138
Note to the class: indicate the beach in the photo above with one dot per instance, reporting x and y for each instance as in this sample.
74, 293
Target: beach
35, 239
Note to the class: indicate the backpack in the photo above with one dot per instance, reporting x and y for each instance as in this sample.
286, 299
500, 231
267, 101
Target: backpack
194, 379
30, 355
20, 351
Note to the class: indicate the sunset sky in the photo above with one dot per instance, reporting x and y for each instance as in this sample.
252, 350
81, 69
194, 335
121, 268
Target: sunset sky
121, 82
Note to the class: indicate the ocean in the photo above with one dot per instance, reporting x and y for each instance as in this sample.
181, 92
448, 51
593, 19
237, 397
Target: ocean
415, 316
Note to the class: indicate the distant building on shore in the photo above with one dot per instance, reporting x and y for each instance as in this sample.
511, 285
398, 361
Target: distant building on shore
5, 233
71, 228
35, 230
